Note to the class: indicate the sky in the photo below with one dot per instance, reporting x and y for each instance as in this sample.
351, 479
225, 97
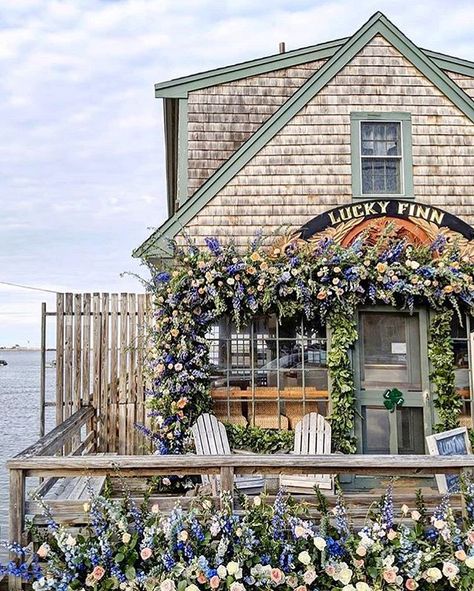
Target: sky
82, 179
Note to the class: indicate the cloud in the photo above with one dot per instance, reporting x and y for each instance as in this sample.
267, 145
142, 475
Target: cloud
81, 149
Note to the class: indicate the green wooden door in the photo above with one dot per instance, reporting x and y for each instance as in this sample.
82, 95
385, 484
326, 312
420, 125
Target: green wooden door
392, 353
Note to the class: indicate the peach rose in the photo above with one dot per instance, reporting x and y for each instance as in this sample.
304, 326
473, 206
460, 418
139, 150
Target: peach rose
201, 578
214, 582
43, 550
460, 555
411, 584
389, 575
98, 572
276, 576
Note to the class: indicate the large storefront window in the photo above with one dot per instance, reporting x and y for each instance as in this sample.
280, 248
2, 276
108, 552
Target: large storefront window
460, 335
269, 374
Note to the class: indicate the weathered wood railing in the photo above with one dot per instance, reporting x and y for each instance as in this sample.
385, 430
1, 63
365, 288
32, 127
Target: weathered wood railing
227, 466
38, 461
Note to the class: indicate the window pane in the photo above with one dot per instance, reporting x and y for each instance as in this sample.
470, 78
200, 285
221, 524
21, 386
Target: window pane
380, 139
381, 176
410, 431
391, 351
376, 427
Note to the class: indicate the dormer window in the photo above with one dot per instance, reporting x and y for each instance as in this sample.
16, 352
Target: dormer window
381, 155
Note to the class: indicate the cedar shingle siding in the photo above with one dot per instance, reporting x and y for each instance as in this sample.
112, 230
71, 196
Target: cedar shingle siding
221, 118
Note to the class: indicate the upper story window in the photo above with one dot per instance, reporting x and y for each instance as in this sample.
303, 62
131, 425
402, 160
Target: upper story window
381, 155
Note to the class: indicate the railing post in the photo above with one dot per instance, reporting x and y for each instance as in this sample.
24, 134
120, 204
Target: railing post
227, 481
17, 515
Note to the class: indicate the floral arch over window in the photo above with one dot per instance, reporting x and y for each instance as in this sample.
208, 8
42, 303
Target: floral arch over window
317, 281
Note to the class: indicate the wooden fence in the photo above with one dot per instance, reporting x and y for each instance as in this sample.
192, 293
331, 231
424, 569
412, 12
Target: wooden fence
100, 362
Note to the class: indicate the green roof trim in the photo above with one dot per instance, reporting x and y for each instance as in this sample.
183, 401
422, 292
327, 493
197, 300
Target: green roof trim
179, 87
377, 24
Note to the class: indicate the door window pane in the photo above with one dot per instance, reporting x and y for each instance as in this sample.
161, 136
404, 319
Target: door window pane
390, 353
376, 430
410, 431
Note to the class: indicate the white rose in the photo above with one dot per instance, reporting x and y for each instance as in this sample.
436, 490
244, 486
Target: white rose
167, 585
361, 586
320, 543
345, 575
469, 562
237, 587
304, 558
126, 538
257, 501
309, 576
70, 541
299, 531
405, 509
416, 515
433, 574
221, 571
183, 535
192, 587
232, 567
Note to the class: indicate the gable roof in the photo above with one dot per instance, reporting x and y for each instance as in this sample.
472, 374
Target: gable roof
377, 24
180, 87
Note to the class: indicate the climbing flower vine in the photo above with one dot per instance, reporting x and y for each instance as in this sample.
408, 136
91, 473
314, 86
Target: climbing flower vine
319, 281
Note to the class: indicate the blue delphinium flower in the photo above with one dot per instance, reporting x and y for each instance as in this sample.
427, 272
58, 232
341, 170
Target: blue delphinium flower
162, 277
213, 245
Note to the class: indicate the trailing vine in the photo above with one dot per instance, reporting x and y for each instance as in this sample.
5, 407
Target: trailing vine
321, 281
441, 355
343, 337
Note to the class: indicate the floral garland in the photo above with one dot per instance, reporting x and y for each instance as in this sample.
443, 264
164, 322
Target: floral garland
318, 280
267, 546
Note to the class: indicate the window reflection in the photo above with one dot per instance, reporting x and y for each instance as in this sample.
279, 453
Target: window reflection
269, 374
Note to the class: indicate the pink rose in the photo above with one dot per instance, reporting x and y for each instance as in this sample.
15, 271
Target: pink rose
276, 576
411, 584
470, 538
389, 575
330, 570
301, 588
146, 553
214, 582
391, 534
359, 563
460, 555
201, 578
98, 573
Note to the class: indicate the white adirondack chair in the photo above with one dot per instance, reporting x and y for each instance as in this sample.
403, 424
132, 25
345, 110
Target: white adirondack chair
210, 438
312, 436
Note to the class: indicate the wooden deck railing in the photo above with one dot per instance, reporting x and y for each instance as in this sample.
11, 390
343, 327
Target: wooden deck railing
36, 461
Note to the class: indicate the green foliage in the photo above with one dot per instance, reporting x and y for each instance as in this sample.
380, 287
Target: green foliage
441, 355
343, 337
259, 440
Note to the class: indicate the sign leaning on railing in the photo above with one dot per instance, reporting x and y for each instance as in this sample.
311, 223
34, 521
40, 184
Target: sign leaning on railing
449, 443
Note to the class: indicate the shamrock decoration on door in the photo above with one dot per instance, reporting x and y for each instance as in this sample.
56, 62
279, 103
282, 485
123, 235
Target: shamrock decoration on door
393, 398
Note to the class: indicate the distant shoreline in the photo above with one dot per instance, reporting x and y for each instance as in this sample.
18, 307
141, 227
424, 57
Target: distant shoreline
20, 349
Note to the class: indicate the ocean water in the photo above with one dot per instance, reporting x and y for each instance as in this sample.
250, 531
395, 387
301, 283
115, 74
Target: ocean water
19, 413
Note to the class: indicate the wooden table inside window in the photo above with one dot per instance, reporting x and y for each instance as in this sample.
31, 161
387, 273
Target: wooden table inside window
269, 394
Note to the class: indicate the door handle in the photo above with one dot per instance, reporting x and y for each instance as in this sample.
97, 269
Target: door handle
426, 396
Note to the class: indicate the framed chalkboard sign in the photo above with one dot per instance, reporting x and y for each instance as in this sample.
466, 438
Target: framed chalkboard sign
449, 443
